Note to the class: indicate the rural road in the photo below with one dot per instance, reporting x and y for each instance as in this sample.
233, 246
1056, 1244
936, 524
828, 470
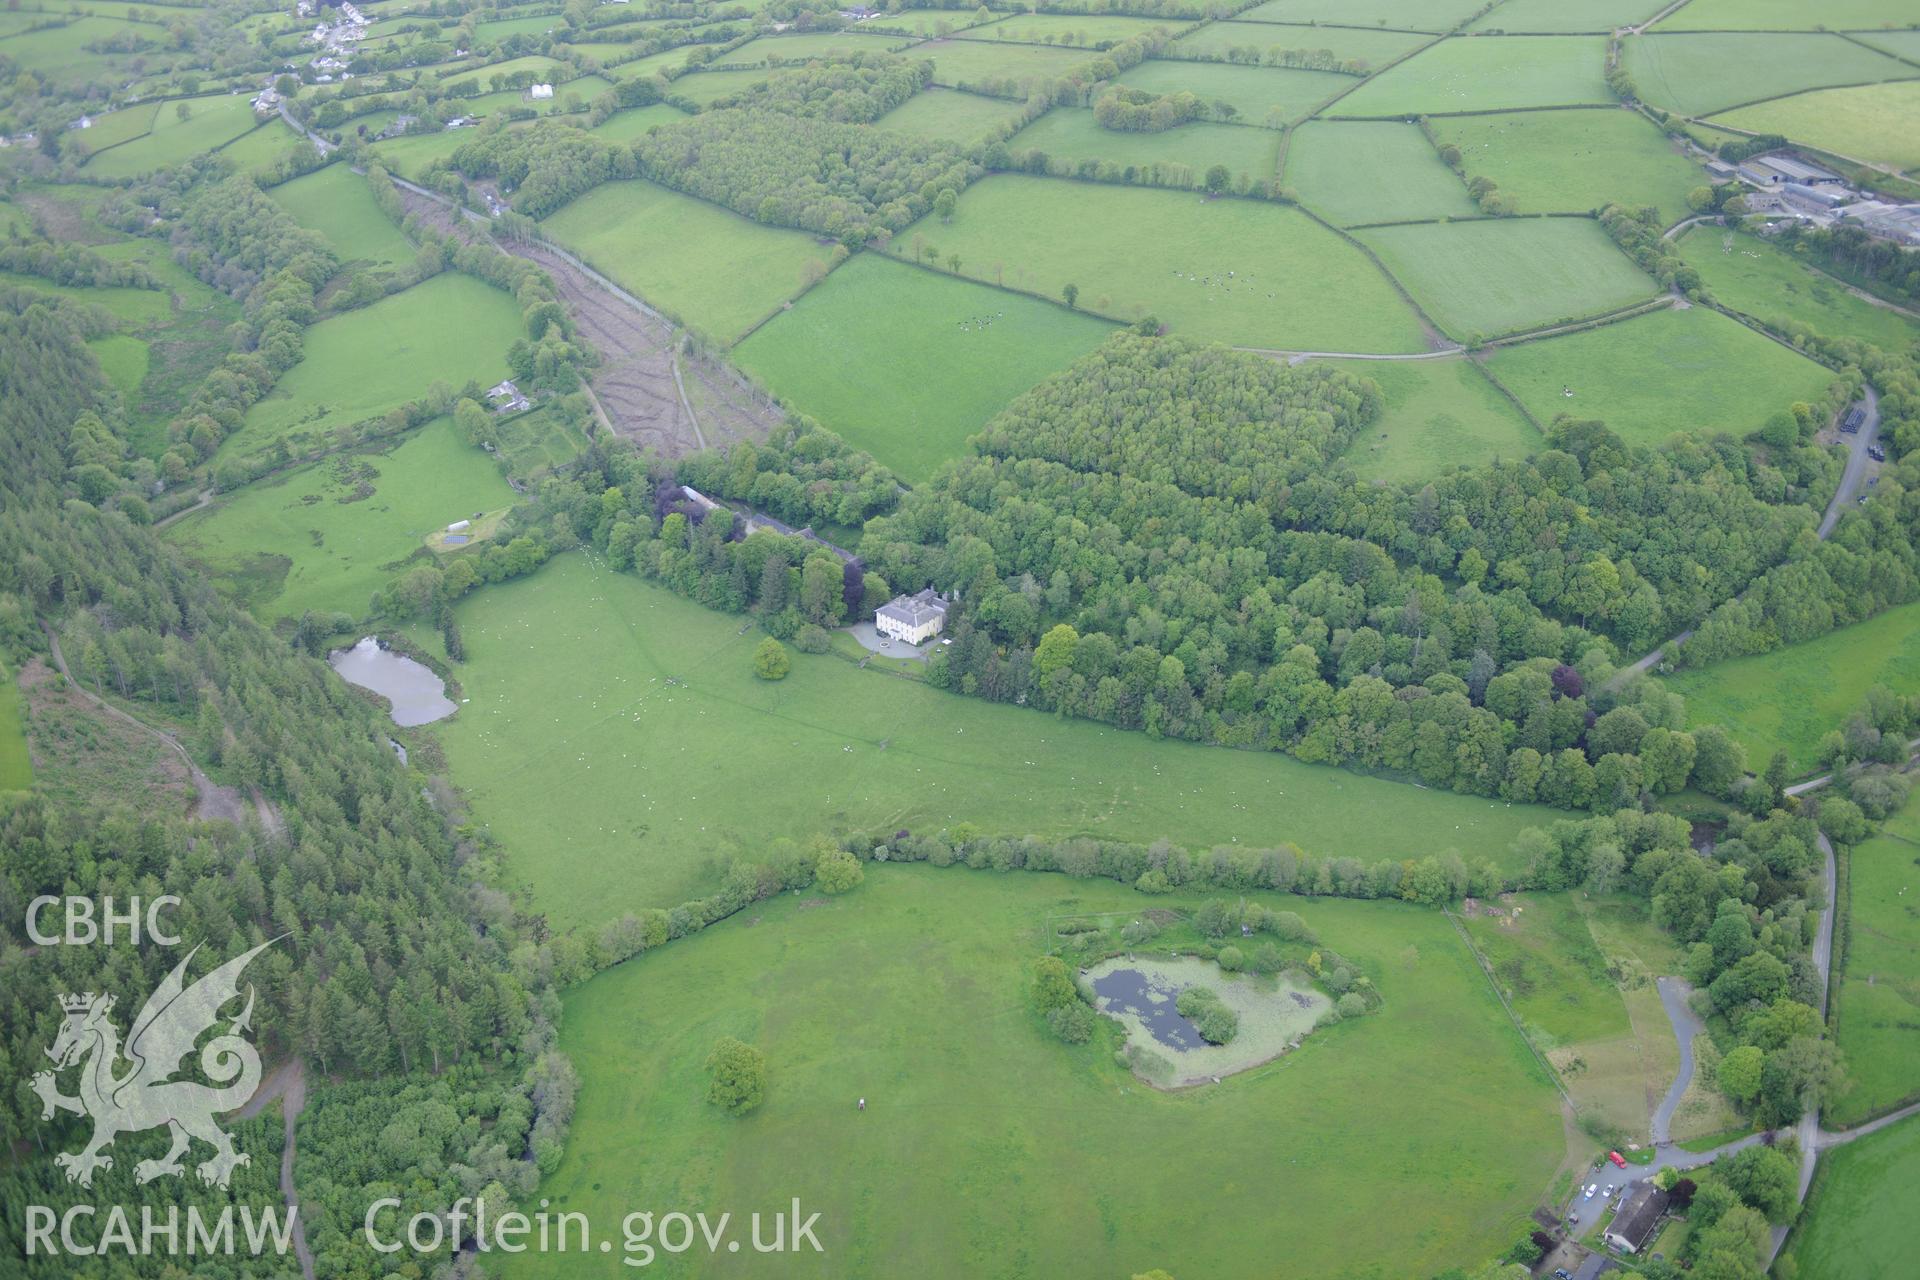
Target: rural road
1583, 1213
1686, 1025
1850, 482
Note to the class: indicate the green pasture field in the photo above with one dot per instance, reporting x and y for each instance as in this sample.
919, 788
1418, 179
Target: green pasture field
451, 328
214, 120
328, 535
1574, 161
951, 116
261, 149
635, 791
1508, 274
1083, 30
123, 358
1371, 48
1294, 285
534, 25
1872, 123
1438, 414
1257, 91
116, 127
1700, 74
1372, 171
1668, 371
986, 1142
1550, 968
707, 87
1789, 698
59, 54
1488, 73
1769, 283
582, 88
709, 266
654, 62
543, 67
605, 52
1790, 15
924, 23
1407, 15
1860, 1219
625, 126
907, 363
409, 154
16, 763
1550, 16
962, 62
336, 202
135, 307
1901, 44
807, 45
1071, 133
1878, 1002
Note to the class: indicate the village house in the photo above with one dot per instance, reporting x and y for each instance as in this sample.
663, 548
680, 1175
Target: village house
1638, 1218
913, 618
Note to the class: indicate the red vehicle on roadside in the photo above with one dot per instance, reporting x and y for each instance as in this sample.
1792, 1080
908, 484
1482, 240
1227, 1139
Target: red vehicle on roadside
1617, 1158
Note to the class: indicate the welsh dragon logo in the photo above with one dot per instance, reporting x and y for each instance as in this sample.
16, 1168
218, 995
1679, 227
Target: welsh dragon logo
145, 1096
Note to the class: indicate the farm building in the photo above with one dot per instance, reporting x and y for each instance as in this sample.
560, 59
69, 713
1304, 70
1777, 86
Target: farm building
1776, 170
1899, 223
912, 618
539, 91
1638, 1218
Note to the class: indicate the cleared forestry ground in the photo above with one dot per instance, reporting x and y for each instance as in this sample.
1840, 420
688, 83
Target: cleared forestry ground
1245, 272
988, 1147
619, 746
1665, 372
907, 363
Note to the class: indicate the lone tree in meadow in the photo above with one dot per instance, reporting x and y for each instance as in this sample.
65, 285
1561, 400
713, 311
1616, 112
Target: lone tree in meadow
737, 1076
770, 660
1071, 293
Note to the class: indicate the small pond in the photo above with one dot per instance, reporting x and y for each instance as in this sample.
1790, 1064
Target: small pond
417, 694
1276, 1013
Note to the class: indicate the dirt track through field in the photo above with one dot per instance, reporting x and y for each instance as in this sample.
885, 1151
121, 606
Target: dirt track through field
640, 392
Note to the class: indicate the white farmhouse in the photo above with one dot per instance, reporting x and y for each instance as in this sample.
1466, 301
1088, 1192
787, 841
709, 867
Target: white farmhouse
912, 618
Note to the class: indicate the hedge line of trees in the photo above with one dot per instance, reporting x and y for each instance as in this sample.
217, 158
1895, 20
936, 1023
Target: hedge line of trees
1131, 110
